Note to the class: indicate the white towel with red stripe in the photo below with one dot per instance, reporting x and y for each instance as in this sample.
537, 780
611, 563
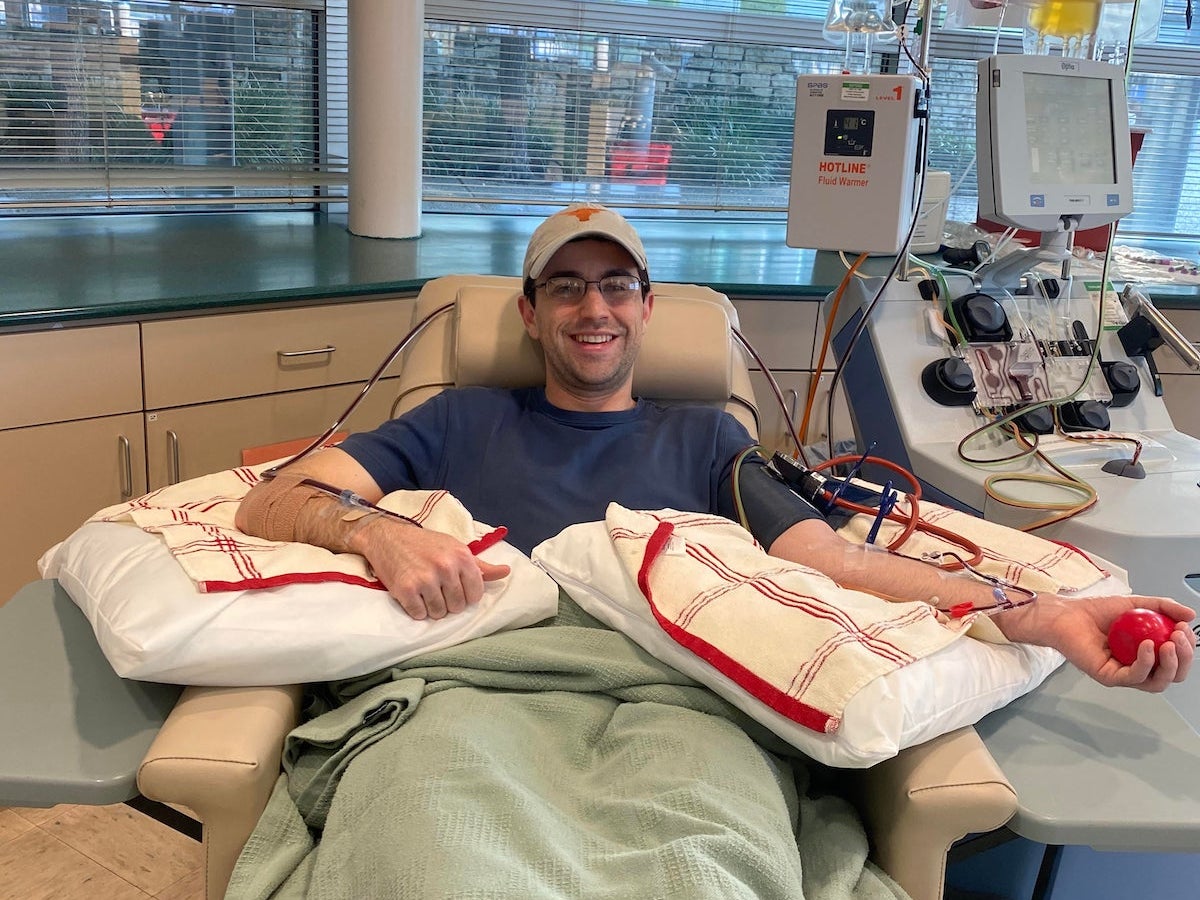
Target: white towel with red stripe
195, 519
785, 633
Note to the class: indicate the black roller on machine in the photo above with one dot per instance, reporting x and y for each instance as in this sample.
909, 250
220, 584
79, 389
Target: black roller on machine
1037, 421
1123, 380
982, 318
972, 257
1084, 415
949, 382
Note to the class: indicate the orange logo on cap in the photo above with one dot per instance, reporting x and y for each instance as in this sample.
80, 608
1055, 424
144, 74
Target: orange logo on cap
582, 214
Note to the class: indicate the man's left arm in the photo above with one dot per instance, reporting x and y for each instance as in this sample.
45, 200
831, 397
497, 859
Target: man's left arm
1076, 627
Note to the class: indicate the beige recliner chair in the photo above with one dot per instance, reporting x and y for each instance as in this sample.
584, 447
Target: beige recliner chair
218, 754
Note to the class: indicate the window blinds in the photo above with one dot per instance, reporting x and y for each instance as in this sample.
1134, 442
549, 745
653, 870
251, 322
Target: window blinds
658, 104
688, 104
674, 106
152, 104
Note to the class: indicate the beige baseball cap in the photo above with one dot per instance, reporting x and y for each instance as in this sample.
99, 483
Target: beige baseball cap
580, 220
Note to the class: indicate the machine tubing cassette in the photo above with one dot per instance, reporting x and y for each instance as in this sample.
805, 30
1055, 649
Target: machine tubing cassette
1014, 367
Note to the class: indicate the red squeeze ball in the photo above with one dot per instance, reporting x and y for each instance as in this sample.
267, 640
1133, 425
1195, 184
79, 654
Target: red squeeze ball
1134, 626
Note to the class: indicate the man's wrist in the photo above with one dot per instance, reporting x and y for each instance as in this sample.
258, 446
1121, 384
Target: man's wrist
364, 528
358, 525
1034, 623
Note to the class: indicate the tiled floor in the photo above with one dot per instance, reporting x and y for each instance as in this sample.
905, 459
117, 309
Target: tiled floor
95, 853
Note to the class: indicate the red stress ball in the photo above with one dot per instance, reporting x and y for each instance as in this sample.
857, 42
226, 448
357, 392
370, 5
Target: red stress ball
1132, 627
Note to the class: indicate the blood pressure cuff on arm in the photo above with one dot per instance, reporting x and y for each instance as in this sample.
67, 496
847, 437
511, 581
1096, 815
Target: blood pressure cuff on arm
770, 507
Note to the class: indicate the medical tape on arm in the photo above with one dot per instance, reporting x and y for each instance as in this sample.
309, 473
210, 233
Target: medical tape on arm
290, 508
271, 509
855, 562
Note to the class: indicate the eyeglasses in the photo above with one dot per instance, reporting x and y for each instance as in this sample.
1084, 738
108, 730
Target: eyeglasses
570, 289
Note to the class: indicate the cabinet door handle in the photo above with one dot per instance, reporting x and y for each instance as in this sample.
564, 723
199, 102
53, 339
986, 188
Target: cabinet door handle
793, 396
172, 458
293, 354
126, 457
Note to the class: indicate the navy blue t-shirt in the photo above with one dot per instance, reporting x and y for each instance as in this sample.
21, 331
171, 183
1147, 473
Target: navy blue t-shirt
514, 459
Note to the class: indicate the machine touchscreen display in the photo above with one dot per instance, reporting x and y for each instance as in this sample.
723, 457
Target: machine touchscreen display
1069, 126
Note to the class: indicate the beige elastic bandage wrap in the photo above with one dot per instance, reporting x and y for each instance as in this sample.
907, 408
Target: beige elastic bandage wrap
272, 509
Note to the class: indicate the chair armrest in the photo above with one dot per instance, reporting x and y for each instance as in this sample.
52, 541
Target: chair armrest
218, 754
919, 803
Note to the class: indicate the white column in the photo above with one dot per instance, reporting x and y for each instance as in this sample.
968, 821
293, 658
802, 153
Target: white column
386, 46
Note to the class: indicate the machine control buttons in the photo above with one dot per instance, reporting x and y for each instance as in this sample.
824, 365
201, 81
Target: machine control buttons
949, 382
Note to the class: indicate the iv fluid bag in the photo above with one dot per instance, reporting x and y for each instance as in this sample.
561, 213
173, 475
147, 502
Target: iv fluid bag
857, 25
873, 17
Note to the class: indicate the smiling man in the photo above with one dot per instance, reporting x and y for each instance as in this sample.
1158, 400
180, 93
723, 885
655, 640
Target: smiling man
535, 460
589, 268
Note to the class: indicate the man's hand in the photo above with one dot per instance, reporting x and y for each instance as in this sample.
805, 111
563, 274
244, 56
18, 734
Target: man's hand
1078, 628
429, 573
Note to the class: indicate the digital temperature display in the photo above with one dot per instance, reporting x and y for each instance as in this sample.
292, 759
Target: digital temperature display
849, 132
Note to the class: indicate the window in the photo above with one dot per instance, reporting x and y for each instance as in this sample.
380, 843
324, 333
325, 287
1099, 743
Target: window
665, 105
1163, 91
685, 106
153, 105
689, 104
1164, 98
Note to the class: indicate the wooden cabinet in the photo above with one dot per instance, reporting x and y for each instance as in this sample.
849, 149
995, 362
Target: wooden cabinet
55, 477
773, 431
71, 437
189, 441
69, 373
218, 384
784, 334
781, 331
1181, 384
90, 416
219, 357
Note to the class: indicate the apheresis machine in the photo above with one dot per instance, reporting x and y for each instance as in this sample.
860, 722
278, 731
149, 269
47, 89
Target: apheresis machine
1011, 390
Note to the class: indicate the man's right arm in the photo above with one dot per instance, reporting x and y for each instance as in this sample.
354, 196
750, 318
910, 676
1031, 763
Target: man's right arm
429, 573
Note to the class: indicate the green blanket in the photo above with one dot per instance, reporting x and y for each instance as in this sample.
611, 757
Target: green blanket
549, 762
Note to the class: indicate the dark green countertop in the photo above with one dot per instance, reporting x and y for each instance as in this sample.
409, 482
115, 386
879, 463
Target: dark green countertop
65, 269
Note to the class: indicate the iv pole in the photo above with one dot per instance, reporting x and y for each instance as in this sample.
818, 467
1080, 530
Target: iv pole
923, 20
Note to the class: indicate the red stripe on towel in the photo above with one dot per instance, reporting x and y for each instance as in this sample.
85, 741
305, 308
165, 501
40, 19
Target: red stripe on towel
491, 539
763, 690
248, 584
1079, 552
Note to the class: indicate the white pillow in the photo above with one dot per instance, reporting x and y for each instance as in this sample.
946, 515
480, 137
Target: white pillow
953, 687
153, 625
